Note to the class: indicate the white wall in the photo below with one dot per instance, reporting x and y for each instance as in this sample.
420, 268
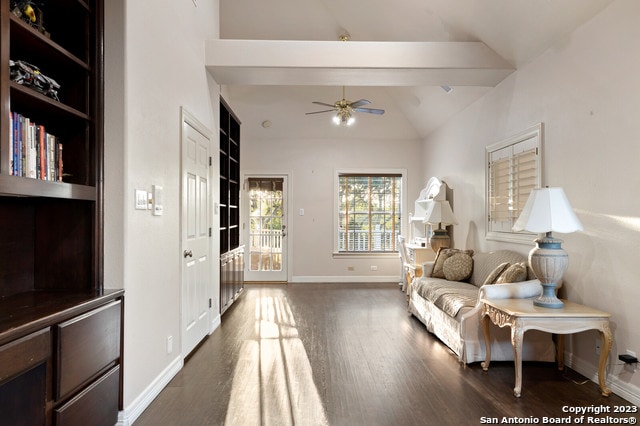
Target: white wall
586, 91
150, 74
312, 163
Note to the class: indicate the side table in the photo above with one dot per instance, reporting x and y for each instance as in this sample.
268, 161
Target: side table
521, 315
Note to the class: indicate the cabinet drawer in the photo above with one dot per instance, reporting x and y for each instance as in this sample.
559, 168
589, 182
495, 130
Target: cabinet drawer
97, 404
23, 379
24, 354
85, 347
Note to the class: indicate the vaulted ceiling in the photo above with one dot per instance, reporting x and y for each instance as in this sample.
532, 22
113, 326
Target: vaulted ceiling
515, 31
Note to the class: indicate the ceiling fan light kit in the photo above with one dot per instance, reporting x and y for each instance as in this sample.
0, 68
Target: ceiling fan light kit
344, 117
344, 109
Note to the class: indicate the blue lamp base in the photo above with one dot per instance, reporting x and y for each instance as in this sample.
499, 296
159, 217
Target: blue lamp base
549, 262
548, 298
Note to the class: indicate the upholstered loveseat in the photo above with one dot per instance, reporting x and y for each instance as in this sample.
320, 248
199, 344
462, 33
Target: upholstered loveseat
450, 308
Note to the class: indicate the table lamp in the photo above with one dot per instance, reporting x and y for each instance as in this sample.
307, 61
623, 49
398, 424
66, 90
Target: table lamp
439, 212
548, 210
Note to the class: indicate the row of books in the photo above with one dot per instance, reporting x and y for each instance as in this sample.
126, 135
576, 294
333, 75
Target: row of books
34, 152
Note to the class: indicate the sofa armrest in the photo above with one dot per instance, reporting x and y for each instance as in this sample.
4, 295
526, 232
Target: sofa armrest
427, 267
521, 290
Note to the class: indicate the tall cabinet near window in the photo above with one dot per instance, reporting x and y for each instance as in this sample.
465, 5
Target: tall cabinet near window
231, 252
60, 331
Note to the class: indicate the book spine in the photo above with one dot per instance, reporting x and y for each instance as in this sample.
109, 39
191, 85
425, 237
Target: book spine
16, 144
24, 125
11, 142
42, 151
33, 151
59, 161
51, 158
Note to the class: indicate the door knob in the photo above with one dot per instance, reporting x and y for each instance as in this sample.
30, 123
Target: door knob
188, 253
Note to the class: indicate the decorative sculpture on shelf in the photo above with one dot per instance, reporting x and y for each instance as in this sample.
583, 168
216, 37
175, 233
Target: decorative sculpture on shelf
31, 13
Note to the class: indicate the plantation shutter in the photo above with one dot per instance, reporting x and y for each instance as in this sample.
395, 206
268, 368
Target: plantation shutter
513, 173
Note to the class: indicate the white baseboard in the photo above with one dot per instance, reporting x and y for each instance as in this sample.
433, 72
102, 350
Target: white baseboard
344, 279
621, 388
215, 323
137, 407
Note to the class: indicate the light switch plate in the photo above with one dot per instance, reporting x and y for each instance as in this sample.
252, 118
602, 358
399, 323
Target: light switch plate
141, 199
158, 202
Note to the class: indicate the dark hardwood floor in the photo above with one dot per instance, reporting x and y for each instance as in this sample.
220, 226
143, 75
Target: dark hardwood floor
350, 354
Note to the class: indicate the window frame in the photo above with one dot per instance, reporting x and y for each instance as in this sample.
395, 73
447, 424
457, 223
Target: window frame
531, 137
336, 209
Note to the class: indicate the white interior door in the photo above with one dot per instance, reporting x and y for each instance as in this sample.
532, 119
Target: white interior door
195, 224
265, 228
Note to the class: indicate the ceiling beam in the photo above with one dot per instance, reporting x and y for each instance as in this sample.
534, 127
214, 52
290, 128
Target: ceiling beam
354, 63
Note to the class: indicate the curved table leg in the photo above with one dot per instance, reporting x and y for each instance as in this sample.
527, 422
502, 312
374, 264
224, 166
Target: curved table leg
517, 336
487, 343
607, 341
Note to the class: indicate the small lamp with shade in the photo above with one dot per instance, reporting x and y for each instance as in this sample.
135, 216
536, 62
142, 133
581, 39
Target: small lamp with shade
548, 210
439, 213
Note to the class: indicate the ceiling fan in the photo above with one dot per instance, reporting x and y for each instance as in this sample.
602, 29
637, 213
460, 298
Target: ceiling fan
344, 109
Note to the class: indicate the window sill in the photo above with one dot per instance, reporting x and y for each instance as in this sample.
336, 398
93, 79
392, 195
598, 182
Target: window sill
365, 255
517, 238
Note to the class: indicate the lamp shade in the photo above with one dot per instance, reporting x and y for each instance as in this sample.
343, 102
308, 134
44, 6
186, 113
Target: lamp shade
548, 210
439, 212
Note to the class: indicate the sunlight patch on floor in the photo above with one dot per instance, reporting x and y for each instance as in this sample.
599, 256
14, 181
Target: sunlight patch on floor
273, 380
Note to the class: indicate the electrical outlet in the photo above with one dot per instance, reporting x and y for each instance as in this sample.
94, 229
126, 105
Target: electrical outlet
169, 344
374, 268
629, 359
350, 268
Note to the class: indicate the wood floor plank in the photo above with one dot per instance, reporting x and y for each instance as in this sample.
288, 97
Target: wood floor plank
349, 354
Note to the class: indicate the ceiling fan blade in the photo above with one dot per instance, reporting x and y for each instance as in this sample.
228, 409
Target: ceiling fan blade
370, 110
359, 103
322, 103
318, 112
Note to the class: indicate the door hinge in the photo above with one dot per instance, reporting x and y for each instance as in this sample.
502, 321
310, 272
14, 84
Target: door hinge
209, 302
209, 231
210, 162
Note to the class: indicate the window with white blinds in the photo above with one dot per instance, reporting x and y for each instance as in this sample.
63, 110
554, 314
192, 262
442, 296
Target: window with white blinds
513, 170
368, 211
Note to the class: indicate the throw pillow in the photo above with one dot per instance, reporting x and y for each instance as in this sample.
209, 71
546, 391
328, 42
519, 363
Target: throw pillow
493, 275
513, 274
458, 267
443, 254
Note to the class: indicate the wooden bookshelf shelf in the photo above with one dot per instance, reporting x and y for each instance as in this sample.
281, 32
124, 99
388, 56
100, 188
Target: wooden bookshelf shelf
232, 253
18, 186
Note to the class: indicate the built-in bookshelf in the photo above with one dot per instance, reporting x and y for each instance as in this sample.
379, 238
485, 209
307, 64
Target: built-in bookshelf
51, 217
232, 253
229, 179
56, 199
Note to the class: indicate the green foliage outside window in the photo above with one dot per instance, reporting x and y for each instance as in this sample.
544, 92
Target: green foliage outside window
369, 212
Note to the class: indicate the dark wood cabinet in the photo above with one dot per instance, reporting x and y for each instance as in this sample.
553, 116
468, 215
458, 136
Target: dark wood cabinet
60, 331
58, 350
86, 346
98, 402
231, 252
231, 277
